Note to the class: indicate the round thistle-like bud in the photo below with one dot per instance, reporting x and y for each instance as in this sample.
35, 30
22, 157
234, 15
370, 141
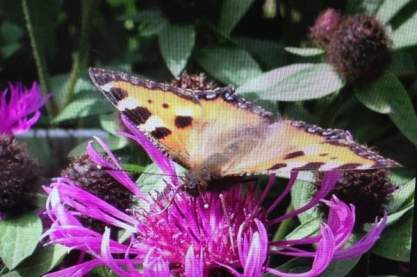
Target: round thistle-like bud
19, 177
359, 49
325, 26
194, 81
96, 180
368, 190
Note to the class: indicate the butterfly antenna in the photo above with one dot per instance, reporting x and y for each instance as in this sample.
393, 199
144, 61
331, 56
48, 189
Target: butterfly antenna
134, 171
170, 202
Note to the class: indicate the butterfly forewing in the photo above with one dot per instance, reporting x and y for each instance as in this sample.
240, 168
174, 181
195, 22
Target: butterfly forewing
219, 130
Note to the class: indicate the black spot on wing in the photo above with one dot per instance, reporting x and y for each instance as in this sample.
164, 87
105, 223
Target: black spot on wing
138, 115
293, 155
277, 166
310, 166
183, 121
161, 132
349, 166
118, 93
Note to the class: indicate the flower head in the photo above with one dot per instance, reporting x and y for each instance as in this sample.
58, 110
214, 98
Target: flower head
176, 234
96, 180
19, 177
359, 49
194, 81
325, 26
19, 108
369, 191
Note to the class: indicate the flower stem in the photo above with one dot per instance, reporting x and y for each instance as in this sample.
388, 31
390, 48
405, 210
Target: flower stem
80, 59
39, 58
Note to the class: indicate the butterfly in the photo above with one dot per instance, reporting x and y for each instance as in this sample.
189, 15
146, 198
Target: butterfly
217, 134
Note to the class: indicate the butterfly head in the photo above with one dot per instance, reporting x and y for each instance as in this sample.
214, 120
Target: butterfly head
197, 180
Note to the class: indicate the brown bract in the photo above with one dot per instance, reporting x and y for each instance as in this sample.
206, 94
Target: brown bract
19, 177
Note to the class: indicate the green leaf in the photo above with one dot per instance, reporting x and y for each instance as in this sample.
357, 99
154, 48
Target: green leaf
296, 265
110, 123
405, 35
10, 35
87, 104
394, 217
340, 268
229, 65
12, 274
402, 63
300, 265
395, 243
102, 271
306, 229
10, 32
304, 52
18, 238
151, 22
57, 84
117, 142
176, 43
79, 149
269, 53
231, 13
153, 179
389, 9
399, 197
294, 83
301, 194
376, 97
40, 148
363, 6
389, 96
134, 168
42, 261
9, 49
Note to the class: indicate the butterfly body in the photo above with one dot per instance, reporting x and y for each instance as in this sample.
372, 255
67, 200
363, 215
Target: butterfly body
216, 134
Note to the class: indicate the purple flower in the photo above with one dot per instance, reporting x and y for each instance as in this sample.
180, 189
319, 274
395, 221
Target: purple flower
19, 108
175, 234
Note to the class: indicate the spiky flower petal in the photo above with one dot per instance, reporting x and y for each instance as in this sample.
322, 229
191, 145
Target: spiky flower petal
20, 108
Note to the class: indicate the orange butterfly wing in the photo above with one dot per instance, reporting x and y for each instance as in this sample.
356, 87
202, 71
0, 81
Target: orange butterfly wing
195, 126
294, 145
172, 117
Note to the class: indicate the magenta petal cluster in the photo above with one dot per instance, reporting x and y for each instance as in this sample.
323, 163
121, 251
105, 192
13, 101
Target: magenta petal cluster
175, 234
19, 108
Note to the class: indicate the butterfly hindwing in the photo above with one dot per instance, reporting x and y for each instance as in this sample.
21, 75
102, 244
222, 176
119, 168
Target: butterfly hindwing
293, 145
